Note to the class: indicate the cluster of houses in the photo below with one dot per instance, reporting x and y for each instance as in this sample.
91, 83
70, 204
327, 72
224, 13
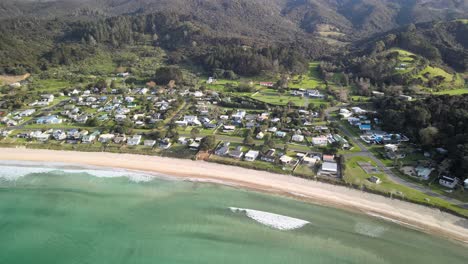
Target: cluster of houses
13, 119
307, 93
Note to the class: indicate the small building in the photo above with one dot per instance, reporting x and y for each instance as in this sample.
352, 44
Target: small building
134, 141
149, 143
260, 135
448, 182
297, 138
223, 149
375, 179
104, 138
165, 143
237, 153
269, 156
53, 119
280, 134
251, 155
391, 147
286, 159
329, 168
320, 141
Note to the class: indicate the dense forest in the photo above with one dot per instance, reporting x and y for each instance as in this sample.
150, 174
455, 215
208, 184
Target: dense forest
435, 122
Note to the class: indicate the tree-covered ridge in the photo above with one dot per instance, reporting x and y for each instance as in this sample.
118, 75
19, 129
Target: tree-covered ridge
435, 122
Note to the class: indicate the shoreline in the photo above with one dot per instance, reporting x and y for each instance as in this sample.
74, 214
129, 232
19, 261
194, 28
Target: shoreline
417, 217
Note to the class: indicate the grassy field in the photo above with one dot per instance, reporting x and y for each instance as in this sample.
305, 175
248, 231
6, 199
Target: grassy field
355, 175
271, 96
454, 92
50, 85
311, 80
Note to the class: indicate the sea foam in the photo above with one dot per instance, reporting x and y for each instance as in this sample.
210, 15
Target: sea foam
276, 221
14, 172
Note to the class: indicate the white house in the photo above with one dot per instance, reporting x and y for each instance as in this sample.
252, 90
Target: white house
260, 135
251, 155
298, 138
104, 138
345, 113
448, 182
320, 141
135, 140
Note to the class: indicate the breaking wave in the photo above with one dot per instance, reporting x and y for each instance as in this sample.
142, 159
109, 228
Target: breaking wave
275, 221
14, 172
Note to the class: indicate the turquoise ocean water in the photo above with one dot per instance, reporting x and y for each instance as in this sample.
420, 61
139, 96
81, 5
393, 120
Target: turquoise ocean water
66, 215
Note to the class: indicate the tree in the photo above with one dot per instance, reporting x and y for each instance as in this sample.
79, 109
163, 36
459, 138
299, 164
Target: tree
428, 135
248, 140
165, 74
92, 122
208, 143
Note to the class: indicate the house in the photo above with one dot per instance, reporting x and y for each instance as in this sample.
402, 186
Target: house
375, 180
405, 97
149, 143
195, 145
280, 134
391, 147
239, 115
165, 143
120, 139
286, 159
272, 129
237, 153
328, 158
48, 98
329, 168
345, 113
251, 155
260, 135
104, 138
320, 141
269, 156
266, 84
211, 80
134, 141
28, 112
311, 160
365, 127
90, 138
297, 138
59, 135
182, 141
53, 119
358, 110
448, 182
227, 129
377, 94
423, 172
192, 120
466, 183
223, 149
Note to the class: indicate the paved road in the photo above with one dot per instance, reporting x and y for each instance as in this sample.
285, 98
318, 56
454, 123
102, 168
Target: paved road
387, 170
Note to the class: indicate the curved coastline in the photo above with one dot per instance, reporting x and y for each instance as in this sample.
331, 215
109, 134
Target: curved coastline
414, 216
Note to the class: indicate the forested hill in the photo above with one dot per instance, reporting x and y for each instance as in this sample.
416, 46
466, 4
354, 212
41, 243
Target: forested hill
248, 17
440, 42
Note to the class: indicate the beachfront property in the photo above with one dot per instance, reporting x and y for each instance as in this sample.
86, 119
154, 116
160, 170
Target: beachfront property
269, 156
251, 155
449, 182
223, 149
134, 141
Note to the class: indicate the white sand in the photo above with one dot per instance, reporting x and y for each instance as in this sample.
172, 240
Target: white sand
275, 221
427, 219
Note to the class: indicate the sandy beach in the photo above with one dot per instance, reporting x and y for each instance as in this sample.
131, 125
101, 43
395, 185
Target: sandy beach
415, 216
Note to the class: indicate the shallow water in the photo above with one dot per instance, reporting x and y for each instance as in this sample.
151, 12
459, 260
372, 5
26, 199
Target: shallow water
88, 216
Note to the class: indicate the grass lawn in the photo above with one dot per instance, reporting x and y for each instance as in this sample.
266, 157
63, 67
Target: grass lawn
50, 85
271, 96
354, 174
454, 92
311, 80
305, 171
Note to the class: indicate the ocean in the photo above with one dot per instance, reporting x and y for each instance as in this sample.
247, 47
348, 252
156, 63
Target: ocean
51, 213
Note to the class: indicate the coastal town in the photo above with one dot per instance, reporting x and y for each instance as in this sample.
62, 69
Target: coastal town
307, 134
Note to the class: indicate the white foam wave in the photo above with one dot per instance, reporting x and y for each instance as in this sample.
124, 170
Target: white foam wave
12, 173
276, 221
